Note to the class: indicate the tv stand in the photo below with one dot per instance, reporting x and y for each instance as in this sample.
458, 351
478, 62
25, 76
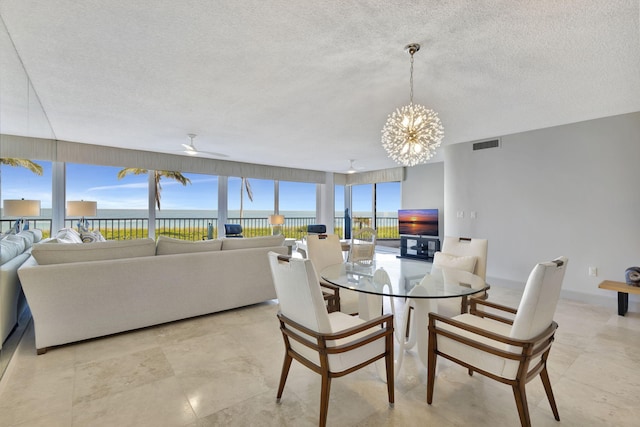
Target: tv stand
419, 247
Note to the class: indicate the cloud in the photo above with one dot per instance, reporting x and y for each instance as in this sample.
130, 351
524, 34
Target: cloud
119, 186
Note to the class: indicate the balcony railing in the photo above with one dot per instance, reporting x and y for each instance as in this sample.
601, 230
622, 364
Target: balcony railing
203, 228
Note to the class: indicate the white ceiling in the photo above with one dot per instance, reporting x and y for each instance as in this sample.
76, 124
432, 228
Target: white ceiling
310, 84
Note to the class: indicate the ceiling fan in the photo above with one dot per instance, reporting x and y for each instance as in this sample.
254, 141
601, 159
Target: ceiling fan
191, 149
352, 168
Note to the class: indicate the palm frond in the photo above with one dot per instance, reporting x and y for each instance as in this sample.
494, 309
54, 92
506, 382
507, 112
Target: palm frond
24, 163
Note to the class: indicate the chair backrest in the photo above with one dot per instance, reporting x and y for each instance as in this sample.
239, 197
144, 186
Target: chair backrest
316, 229
363, 245
539, 300
233, 230
324, 250
463, 246
299, 292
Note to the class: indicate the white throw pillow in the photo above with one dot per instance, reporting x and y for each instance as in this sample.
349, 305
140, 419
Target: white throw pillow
92, 236
169, 246
68, 235
18, 240
9, 249
464, 263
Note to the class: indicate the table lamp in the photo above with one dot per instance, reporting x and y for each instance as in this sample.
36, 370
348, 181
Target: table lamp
276, 222
20, 208
83, 209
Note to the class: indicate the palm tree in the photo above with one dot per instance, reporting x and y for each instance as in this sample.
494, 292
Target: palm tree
177, 176
244, 183
24, 163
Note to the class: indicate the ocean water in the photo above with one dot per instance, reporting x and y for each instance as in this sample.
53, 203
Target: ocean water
178, 213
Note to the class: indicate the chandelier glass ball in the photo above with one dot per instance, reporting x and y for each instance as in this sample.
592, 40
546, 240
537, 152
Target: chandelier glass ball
412, 134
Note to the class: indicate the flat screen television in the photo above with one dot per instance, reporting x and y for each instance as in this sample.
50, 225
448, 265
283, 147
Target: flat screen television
418, 222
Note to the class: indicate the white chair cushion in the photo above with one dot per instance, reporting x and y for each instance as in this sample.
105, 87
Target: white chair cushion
339, 362
465, 263
483, 360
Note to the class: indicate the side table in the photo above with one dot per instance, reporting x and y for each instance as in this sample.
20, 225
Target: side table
623, 293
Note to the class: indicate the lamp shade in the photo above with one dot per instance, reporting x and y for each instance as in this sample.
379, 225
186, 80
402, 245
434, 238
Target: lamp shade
82, 208
276, 219
20, 208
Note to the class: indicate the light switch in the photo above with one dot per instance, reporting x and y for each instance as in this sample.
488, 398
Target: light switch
474, 214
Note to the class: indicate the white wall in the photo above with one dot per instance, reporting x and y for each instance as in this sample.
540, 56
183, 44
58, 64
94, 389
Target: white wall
423, 188
570, 190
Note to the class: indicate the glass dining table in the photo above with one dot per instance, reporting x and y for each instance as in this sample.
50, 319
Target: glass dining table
403, 280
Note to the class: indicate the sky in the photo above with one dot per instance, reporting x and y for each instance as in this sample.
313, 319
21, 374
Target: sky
90, 182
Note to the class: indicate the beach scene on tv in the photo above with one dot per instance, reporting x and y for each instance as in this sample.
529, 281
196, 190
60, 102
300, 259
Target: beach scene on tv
418, 222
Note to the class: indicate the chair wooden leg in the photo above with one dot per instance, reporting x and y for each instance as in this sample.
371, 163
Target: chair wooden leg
521, 402
324, 398
544, 376
283, 376
390, 371
431, 366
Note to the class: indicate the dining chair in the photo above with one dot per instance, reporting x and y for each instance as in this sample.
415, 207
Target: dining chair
323, 251
462, 253
511, 348
363, 246
330, 344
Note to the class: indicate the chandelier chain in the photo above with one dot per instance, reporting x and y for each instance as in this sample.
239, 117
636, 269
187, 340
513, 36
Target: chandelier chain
411, 81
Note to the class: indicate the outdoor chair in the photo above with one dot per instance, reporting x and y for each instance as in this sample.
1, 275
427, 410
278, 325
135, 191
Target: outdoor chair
511, 351
233, 230
330, 344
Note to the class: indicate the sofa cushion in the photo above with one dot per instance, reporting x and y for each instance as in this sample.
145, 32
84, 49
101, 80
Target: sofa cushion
68, 235
112, 249
169, 246
252, 242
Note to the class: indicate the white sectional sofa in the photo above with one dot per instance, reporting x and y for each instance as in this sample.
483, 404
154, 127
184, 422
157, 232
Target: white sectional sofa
85, 290
14, 250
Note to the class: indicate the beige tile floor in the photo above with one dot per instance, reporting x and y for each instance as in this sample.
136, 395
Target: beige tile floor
223, 369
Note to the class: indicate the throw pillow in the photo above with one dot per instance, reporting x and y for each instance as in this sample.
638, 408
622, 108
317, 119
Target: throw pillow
9, 249
91, 236
465, 263
169, 246
68, 235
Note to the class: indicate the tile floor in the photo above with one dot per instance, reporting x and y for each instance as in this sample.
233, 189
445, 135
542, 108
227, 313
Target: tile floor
223, 369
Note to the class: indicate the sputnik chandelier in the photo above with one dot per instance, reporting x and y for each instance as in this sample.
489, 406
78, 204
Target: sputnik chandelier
412, 132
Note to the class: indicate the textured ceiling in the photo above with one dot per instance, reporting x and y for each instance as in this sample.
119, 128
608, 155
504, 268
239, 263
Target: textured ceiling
309, 84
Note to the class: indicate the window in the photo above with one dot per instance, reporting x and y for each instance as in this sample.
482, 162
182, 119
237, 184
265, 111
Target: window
298, 205
387, 204
21, 183
252, 215
122, 204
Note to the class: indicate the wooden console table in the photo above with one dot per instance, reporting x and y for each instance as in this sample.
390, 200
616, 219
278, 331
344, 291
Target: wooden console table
623, 293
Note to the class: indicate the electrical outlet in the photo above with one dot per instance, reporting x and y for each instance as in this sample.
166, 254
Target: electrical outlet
460, 214
474, 214
593, 271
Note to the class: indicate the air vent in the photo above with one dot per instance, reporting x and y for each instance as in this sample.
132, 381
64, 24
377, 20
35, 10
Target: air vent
492, 143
